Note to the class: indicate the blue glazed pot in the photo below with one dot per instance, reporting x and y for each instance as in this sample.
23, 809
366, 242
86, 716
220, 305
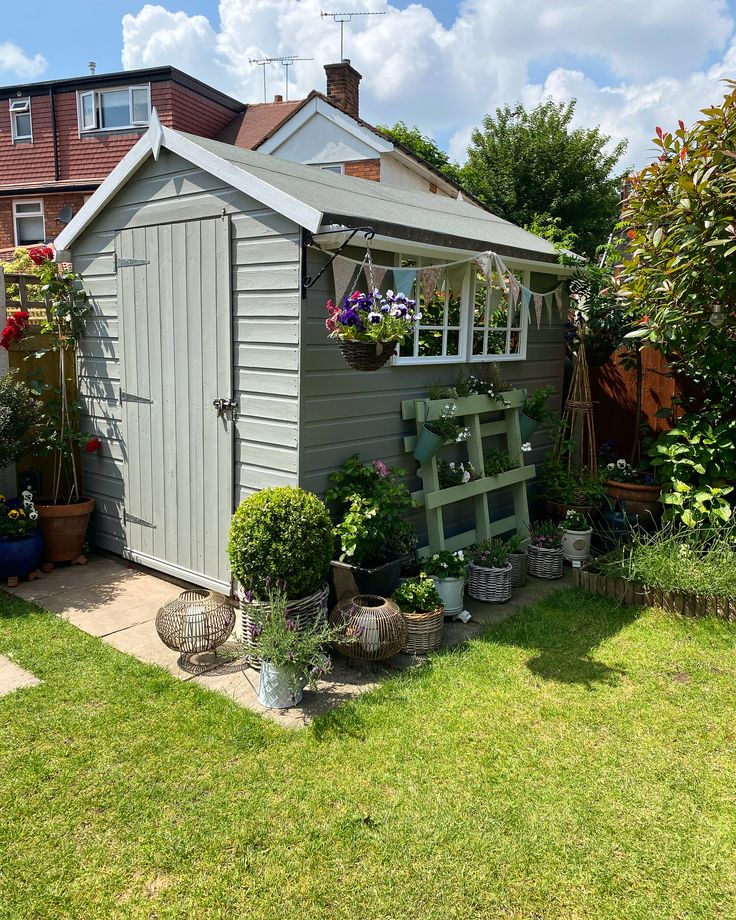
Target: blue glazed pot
19, 555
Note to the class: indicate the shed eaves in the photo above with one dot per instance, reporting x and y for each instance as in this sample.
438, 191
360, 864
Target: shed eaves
344, 196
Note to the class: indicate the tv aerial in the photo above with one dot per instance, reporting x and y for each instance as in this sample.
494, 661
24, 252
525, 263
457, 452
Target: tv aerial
342, 18
286, 60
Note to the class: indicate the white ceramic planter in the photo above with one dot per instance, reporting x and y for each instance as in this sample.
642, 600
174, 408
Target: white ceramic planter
451, 592
576, 544
275, 690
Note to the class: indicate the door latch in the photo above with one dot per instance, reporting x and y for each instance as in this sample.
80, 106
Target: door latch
224, 406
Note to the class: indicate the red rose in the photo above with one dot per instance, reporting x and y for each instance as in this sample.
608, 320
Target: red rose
93, 445
40, 254
15, 328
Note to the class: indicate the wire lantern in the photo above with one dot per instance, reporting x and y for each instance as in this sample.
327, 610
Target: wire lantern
374, 628
196, 621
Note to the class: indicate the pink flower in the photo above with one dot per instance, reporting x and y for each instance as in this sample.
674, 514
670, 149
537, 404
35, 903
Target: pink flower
381, 468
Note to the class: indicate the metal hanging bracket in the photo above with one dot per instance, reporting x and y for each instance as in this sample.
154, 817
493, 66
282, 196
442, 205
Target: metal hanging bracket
309, 239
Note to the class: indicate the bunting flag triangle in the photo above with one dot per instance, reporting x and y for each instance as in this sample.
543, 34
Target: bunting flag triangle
548, 299
526, 296
456, 278
404, 280
343, 271
514, 286
484, 261
429, 279
379, 273
538, 303
504, 275
560, 300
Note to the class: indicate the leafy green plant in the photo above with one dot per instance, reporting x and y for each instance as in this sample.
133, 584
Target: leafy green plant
281, 533
454, 474
18, 517
576, 521
21, 415
498, 461
598, 315
557, 483
515, 545
370, 506
448, 426
696, 505
417, 595
535, 405
545, 534
446, 564
491, 554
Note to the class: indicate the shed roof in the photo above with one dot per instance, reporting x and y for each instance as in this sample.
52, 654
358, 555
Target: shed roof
313, 197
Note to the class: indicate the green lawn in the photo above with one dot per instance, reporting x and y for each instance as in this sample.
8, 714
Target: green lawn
578, 760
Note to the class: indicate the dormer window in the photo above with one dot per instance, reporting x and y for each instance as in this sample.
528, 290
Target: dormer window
20, 119
112, 109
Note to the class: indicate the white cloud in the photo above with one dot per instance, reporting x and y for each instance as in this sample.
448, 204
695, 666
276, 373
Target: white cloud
15, 61
630, 64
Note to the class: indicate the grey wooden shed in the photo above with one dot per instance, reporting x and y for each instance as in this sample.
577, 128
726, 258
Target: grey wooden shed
193, 256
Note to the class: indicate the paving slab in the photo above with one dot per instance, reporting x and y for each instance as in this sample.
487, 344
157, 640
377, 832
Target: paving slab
13, 677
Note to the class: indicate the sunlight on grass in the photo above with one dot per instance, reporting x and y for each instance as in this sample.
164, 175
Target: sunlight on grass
575, 761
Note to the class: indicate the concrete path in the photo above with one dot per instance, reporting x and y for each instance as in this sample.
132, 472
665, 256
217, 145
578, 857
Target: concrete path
13, 678
118, 601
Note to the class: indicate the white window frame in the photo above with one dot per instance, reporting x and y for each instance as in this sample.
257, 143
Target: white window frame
38, 201
15, 103
337, 168
95, 95
520, 355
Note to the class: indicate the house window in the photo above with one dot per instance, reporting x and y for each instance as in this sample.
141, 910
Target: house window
333, 167
20, 119
110, 109
499, 328
28, 222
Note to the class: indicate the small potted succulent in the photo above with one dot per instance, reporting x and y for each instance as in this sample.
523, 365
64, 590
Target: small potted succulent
545, 549
577, 533
446, 429
369, 326
534, 411
422, 608
489, 572
20, 538
518, 559
292, 653
448, 570
370, 507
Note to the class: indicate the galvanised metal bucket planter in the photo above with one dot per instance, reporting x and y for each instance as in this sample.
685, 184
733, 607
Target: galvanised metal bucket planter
276, 688
20, 555
428, 443
527, 426
451, 591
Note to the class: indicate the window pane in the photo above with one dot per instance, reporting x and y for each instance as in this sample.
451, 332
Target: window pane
88, 111
22, 125
477, 343
454, 304
30, 230
140, 105
115, 109
453, 342
479, 305
430, 343
28, 207
496, 342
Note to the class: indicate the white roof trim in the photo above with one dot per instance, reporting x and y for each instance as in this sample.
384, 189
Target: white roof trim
234, 176
318, 106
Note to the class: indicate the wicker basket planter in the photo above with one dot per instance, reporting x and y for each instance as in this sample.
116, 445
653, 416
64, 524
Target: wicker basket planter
366, 356
518, 562
493, 586
424, 631
303, 610
545, 563
375, 628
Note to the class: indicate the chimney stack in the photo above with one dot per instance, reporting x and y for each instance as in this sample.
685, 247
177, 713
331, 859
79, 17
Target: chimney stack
92, 68
278, 98
343, 83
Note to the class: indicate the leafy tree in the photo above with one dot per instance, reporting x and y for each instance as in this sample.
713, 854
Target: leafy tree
533, 167
423, 146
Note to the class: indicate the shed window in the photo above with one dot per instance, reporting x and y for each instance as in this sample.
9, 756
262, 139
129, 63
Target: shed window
28, 222
20, 119
499, 323
108, 109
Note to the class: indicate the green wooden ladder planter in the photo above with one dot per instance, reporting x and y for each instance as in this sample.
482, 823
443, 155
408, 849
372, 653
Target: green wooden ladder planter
435, 500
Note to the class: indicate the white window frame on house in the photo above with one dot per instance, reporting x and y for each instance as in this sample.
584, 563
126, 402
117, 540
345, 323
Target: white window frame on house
17, 217
17, 108
89, 109
332, 167
485, 328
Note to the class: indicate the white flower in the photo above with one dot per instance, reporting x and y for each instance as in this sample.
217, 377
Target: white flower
27, 496
611, 466
459, 554
417, 316
621, 464
33, 515
526, 447
452, 465
466, 476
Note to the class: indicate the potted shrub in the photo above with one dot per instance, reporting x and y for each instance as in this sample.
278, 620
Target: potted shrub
576, 536
422, 608
518, 560
370, 507
489, 572
448, 570
447, 429
64, 515
292, 653
20, 539
282, 533
634, 488
534, 411
562, 488
545, 550
368, 327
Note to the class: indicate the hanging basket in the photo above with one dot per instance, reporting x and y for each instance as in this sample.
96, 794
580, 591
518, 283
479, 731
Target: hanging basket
428, 443
366, 356
304, 610
545, 563
425, 631
518, 563
493, 586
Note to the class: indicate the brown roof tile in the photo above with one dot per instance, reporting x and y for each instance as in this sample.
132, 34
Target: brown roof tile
258, 121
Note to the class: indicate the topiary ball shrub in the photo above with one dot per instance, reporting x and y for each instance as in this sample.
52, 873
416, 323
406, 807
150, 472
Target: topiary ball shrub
281, 533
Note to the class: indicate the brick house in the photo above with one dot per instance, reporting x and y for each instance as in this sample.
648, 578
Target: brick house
59, 139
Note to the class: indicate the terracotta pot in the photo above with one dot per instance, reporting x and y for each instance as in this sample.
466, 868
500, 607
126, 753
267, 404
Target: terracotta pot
559, 511
64, 529
635, 497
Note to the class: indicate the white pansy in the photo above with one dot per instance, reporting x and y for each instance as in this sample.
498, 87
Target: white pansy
33, 515
611, 466
526, 447
621, 464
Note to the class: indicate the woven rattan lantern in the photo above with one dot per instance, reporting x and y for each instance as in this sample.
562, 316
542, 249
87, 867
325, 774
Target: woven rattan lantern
375, 628
195, 621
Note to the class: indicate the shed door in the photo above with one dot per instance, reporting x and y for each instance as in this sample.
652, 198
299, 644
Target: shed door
175, 362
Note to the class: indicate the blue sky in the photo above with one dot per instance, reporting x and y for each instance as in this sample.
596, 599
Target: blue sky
434, 63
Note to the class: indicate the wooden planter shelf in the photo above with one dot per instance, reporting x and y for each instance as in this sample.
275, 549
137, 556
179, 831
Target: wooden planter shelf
636, 594
435, 500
